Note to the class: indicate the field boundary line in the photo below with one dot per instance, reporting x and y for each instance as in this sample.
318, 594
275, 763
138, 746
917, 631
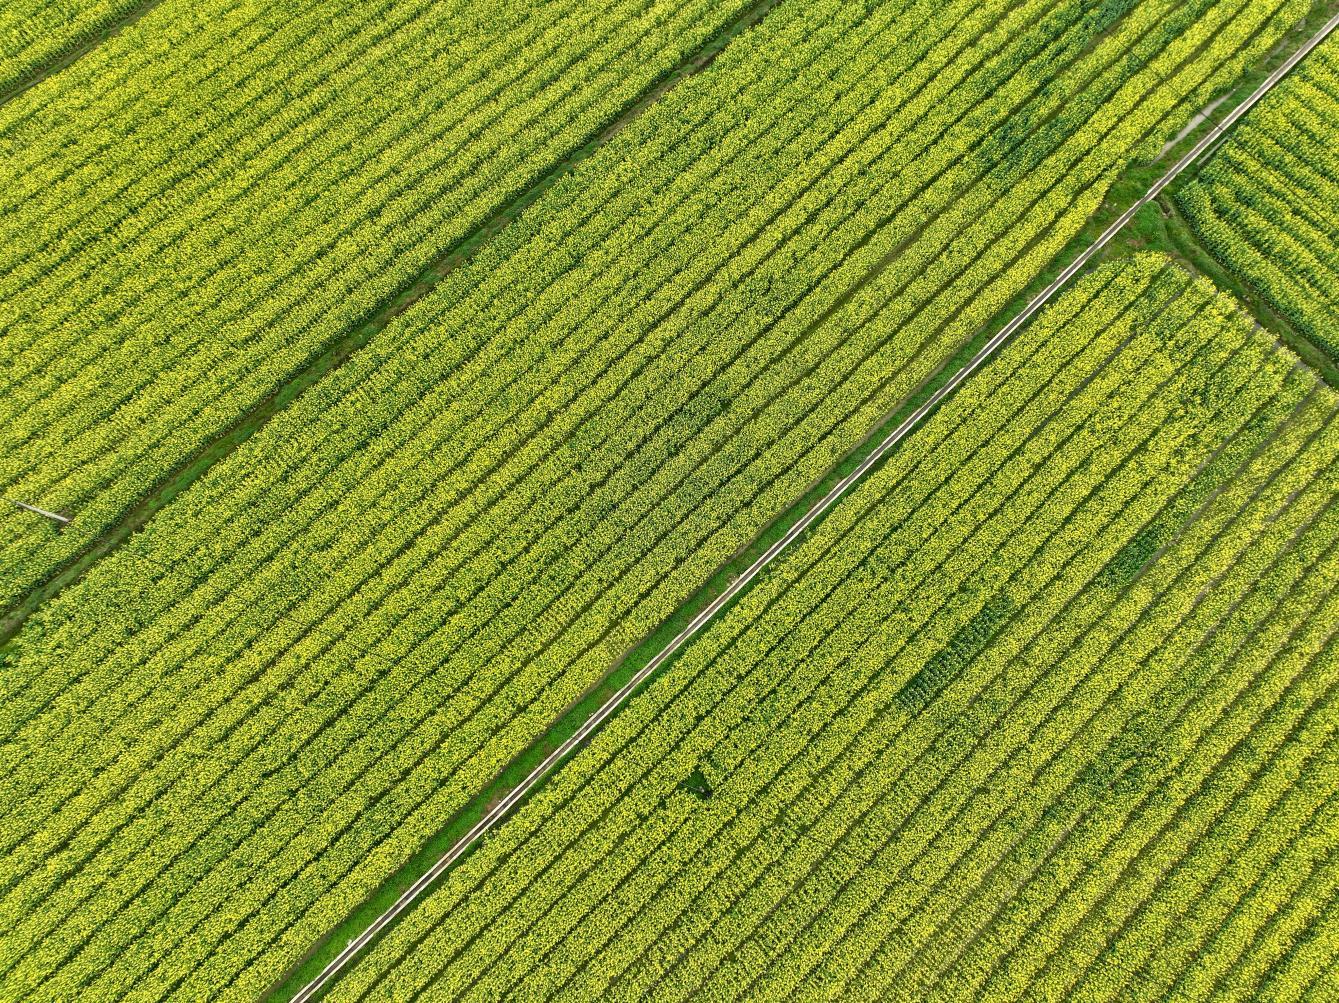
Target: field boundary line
504, 806
333, 354
68, 57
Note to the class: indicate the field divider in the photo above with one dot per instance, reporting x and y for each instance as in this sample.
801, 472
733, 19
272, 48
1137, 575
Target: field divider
503, 807
335, 353
998, 464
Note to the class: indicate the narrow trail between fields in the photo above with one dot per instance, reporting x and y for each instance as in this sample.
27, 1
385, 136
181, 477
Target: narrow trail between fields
505, 805
1192, 125
1196, 255
334, 354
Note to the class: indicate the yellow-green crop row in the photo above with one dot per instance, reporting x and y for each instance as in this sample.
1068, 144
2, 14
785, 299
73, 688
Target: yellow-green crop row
34, 32
1265, 205
237, 727
1125, 785
195, 210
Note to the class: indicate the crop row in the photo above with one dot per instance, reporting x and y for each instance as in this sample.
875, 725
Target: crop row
229, 680
243, 723
1264, 204
195, 210
1124, 794
34, 32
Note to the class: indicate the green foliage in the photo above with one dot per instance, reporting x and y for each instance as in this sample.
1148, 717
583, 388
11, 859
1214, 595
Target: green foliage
697, 785
241, 724
967, 642
1265, 204
1114, 793
1132, 557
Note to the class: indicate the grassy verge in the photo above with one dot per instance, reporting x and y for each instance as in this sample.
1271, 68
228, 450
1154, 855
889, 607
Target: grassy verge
628, 666
1162, 227
633, 661
1167, 230
1321, 11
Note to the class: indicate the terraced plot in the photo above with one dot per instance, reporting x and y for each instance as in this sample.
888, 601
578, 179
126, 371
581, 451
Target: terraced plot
1044, 710
1266, 204
206, 203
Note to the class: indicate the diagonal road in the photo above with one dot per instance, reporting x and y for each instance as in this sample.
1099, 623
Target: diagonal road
504, 807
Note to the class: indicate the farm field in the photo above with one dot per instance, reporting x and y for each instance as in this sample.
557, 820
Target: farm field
211, 200
138, 335
244, 721
383, 384
1265, 204
35, 32
1045, 709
